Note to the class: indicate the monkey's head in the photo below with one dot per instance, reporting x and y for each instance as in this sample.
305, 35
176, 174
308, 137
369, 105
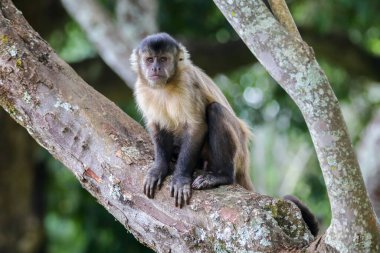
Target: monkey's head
158, 58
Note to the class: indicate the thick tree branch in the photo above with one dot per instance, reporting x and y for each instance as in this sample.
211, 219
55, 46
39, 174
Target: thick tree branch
136, 19
292, 64
109, 153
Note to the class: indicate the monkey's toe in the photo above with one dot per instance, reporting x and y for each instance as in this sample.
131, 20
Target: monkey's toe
207, 181
150, 184
202, 182
181, 193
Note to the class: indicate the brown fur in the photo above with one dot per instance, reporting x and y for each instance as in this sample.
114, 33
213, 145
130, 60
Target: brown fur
182, 102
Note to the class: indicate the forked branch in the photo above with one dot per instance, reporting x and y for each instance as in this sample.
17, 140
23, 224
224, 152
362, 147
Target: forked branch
110, 153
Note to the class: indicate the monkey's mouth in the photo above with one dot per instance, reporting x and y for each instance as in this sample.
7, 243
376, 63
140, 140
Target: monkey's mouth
156, 77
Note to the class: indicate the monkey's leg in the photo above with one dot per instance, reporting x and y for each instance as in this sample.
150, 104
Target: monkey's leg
163, 150
191, 145
222, 149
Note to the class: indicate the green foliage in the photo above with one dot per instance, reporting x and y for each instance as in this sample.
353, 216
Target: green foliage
71, 43
360, 20
207, 17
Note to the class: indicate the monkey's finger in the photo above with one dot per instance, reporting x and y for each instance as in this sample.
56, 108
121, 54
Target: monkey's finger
145, 188
159, 183
151, 189
176, 193
171, 191
187, 196
180, 199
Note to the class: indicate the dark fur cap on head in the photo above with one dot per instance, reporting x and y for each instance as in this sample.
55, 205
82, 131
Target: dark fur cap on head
159, 42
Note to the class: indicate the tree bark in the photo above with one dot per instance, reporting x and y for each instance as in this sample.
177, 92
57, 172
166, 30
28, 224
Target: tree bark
292, 64
109, 154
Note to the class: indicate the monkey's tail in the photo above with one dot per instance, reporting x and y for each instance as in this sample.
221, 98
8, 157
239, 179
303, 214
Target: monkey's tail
307, 215
242, 160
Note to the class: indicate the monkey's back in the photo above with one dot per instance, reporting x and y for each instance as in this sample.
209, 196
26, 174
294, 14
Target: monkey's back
241, 132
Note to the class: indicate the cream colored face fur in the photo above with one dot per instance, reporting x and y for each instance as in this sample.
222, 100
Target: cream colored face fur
157, 67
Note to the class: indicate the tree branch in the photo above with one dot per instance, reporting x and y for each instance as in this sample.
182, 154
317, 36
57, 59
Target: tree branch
281, 12
292, 64
109, 154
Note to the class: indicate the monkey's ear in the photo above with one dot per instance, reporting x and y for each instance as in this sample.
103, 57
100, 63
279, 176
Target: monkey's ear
183, 56
134, 60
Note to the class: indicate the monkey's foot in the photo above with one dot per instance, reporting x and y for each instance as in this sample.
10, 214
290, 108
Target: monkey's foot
207, 181
151, 182
180, 189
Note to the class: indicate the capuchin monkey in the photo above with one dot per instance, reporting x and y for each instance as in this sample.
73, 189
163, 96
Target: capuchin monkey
189, 118
184, 110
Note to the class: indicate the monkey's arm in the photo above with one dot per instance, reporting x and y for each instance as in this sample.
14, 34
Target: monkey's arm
163, 150
191, 146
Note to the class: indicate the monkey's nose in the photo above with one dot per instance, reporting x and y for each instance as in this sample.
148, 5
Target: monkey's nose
156, 69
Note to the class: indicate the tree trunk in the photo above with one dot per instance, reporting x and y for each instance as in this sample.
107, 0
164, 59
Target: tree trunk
292, 64
109, 154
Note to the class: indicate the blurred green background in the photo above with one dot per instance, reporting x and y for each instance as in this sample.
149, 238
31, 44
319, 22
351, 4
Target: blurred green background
58, 216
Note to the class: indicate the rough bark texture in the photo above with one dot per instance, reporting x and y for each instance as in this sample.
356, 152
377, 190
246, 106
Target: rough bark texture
292, 64
115, 41
369, 159
109, 153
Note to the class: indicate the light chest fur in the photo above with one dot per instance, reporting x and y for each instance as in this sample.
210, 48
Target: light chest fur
172, 107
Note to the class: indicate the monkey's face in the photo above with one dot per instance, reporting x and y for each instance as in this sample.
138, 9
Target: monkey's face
158, 68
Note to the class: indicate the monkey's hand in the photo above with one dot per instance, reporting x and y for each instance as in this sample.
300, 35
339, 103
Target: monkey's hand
154, 179
180, 189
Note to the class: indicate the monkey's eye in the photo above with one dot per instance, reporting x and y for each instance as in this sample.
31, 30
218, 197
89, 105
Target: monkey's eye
163, 59
149, 59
